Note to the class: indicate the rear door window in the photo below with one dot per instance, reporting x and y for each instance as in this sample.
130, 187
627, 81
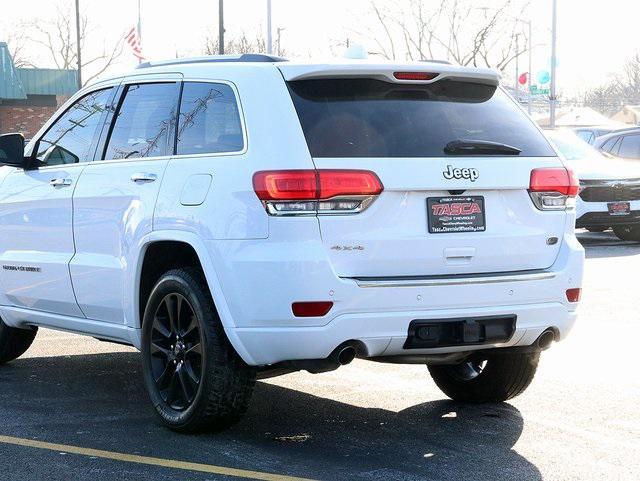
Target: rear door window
143, 121
372, 118
209, 120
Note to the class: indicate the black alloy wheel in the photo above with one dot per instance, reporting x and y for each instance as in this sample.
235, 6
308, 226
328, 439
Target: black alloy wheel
176, 352
195, 379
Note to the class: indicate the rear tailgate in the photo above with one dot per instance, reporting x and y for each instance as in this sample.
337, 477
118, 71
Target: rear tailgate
439, 213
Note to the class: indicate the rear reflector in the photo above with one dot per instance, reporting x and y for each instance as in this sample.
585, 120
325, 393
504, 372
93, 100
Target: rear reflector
415, 75
311, 309
573, 295
556, 179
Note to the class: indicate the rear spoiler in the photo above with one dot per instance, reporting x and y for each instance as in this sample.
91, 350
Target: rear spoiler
389, 72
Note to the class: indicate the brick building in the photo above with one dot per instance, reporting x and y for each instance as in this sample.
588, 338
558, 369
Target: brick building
29, 96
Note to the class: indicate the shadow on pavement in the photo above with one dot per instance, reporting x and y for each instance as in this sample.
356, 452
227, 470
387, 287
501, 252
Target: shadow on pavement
606, 244
98, 401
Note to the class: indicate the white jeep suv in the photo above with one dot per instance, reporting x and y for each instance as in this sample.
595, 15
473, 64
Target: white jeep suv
243, 217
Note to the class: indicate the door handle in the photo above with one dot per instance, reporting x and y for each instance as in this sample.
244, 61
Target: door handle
143, 177
59, 182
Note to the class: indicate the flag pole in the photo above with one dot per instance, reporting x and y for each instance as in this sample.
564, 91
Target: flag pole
139, 29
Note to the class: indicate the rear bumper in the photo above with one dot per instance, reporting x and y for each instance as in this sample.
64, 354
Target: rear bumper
264, 330
596, 214
384, 334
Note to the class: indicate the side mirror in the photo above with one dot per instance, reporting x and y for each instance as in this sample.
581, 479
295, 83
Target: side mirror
12, 150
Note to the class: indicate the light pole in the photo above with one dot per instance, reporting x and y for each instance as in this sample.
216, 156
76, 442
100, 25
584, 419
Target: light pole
552, 93
78, 53
269, 41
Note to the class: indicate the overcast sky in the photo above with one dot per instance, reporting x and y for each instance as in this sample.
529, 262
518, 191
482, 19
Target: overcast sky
594, 38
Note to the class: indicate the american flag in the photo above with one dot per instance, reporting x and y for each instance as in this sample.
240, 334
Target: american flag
134, 42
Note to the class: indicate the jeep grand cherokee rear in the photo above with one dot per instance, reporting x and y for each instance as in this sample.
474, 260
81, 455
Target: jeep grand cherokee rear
445, 231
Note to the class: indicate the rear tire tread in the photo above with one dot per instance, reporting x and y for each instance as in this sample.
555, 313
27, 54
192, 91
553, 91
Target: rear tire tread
505, 376
230, 381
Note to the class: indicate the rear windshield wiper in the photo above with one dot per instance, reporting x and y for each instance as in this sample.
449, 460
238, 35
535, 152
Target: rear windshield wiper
479, 147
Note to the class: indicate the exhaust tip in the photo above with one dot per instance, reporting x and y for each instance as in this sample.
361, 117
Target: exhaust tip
545, 339
346, 355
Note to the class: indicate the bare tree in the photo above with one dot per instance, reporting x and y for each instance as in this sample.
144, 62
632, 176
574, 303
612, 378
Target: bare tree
17, 48
236, 46
622, 88
455, 29
58, 38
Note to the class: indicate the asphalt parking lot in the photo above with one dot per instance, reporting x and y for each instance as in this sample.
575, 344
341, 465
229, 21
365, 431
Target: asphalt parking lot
74, 409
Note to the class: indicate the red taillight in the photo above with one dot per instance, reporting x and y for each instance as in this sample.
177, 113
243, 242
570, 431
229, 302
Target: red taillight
554, 179
334, 183
286, 185
415, 75
311, 309
573, 295
314, 184
305, 192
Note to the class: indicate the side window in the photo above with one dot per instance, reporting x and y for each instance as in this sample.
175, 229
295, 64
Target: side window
612, 145
616, 146
142, 122
209, 120
630, 147
585, 135
70, 139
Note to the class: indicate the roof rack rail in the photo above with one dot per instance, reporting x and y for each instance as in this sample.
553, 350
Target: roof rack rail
246, 57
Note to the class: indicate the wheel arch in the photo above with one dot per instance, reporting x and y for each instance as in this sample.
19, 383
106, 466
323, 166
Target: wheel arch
183, 246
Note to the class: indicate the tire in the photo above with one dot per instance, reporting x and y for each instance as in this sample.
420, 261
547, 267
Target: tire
597, 229
14, 342
502, 377
172, 359
627, 232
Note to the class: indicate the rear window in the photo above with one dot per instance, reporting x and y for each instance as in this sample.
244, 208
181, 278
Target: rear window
373, 118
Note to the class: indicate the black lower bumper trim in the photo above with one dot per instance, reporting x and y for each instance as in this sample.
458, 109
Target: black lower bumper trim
604, 219
468, 331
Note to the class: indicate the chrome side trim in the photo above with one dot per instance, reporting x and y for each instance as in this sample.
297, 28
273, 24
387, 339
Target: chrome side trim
454, 280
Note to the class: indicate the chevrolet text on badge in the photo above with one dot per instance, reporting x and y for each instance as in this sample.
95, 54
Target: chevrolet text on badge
465, 173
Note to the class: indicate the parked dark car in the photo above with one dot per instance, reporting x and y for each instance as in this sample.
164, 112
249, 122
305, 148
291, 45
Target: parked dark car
590, 134
625, 144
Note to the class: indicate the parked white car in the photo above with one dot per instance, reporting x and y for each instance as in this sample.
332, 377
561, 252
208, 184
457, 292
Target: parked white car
609, 188
244, 217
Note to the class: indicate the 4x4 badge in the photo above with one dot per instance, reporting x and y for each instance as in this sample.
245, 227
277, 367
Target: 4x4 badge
464, 173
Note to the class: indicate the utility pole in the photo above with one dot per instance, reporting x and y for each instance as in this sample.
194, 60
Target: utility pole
552, 93
78, 54
269, 41
221, 27
278, 32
